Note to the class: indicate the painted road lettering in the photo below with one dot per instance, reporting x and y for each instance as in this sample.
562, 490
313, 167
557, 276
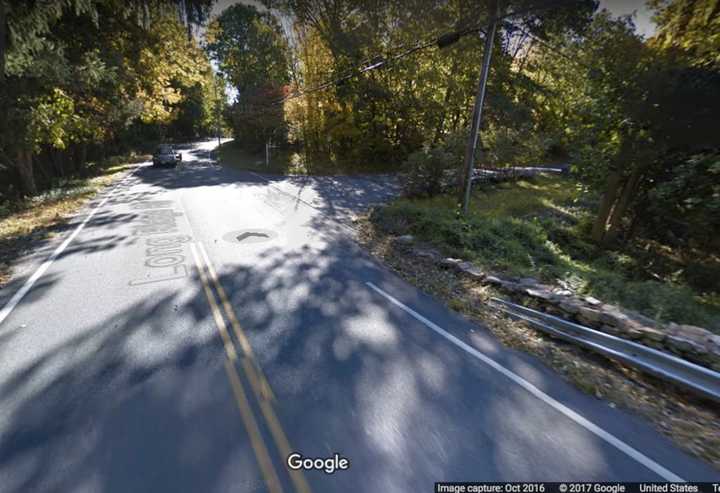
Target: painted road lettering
157, 221
164, 255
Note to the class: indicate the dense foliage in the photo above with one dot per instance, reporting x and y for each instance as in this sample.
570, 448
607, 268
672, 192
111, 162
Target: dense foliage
367, 82
630, 111
533, 228
635, 120
427, 172
83, 79
568, 84
416, 100
252, 55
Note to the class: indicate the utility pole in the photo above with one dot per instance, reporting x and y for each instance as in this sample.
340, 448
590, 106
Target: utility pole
217, 111
466, 183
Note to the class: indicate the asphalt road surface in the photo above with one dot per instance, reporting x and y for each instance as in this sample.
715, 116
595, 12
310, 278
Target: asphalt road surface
194, 327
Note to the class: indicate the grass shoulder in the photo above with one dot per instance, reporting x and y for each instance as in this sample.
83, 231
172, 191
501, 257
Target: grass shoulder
287, 161
539, 228
27, 221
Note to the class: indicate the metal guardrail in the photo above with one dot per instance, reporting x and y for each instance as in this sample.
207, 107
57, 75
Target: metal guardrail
693, 377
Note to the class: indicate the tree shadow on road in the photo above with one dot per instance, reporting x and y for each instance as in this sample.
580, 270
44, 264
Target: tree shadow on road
337, 196
131, 404
139, 401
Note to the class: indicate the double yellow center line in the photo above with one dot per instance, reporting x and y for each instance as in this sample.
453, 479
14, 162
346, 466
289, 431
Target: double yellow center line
258, 383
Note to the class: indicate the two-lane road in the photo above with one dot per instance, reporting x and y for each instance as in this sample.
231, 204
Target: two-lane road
198, 325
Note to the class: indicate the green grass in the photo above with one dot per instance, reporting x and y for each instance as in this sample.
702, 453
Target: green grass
282, 162
539, 228
290, 162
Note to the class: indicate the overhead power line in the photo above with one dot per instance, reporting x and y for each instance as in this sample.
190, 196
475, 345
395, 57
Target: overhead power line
377, 62
550, 46
400, 51
380, 61
373, 63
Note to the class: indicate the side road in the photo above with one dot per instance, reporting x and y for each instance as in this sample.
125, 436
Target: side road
161, 350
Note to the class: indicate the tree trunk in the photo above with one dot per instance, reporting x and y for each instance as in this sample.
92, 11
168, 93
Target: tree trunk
42, 167
186, 17
3, 33
455, 120
446, 102
612, 187
59, 162
633, 226
82, 157
628, 192
24, 165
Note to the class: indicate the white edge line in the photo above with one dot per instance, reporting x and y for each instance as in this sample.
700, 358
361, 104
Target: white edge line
558, 406
20, 294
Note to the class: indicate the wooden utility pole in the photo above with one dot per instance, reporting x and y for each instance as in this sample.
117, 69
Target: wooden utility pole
466, 182
217, 109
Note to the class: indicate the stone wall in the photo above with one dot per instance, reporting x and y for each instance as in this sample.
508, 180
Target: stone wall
692, 343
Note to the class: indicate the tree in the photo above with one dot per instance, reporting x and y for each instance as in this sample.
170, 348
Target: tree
690, 26
249, 47
80, 72
424, 98
625, 105
201, 110
252, 55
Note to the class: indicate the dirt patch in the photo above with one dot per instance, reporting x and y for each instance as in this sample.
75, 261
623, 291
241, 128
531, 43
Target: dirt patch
692, 423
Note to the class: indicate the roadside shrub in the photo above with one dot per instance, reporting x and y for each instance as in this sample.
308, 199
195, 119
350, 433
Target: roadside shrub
394, 220
686, 199
517, 144
572, 243
5, 208
703, 275
425, 172
530, 242
513, 145
654, 299
454, 144
508, 244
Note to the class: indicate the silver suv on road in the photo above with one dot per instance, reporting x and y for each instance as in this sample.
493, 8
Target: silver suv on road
166, 155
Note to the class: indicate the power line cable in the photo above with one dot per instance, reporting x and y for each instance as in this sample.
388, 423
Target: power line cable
441, 41
379, 61
550, 46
